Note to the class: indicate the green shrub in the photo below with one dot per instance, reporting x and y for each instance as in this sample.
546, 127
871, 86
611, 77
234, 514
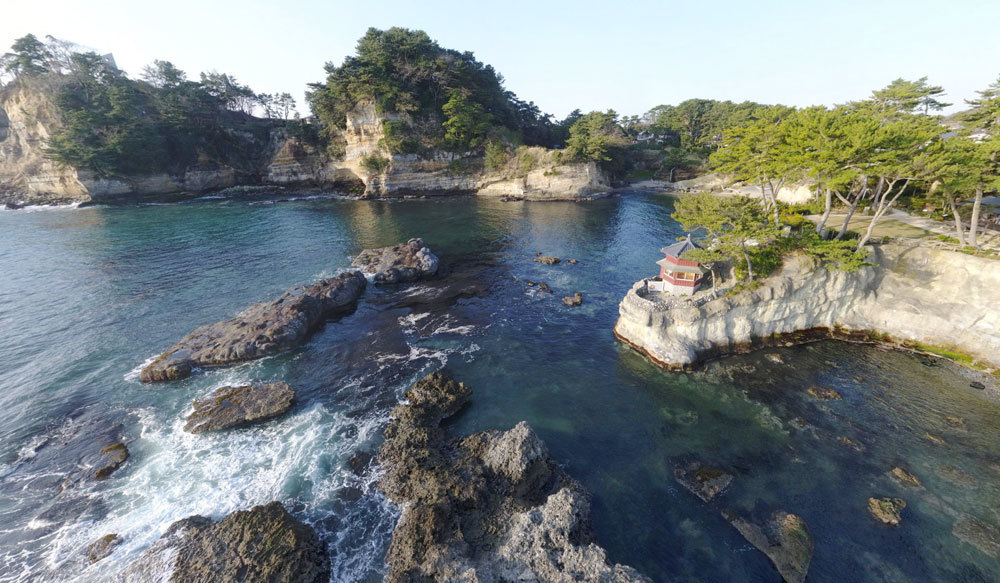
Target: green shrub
375, 164
497, 156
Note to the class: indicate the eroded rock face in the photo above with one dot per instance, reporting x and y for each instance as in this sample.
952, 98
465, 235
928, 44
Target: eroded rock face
260, 330
784, 538
408, 261
228, 407
264, 543
491, 506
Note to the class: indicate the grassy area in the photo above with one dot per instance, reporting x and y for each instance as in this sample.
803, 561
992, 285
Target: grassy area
884, 228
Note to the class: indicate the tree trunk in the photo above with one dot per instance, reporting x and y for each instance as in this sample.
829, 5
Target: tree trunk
749, 265
826, 212
854, 205
883, 207
959, 228
974, 221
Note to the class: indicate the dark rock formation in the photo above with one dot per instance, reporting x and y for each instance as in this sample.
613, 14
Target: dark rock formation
544, 287
408, 261
547, 260
114, 456
703, 481
784, 538
488, 507
887, 510
977, 385
102, 547
264, 543
574, 300
228, 407
824, 393
260, 330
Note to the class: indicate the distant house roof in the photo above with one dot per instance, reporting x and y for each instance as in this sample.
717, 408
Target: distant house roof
678, 248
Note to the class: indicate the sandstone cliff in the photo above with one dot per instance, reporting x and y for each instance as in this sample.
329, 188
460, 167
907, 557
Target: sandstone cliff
28, 117
913, 294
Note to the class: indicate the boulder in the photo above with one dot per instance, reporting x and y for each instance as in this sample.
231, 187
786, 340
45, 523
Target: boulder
887, 510
824, 393
264, 543
404, 262
702, 480
904, 477
102, 547
547, 260
544, 287
784, 538
260, 330
491, 506
574, 300
228, 407
113, 456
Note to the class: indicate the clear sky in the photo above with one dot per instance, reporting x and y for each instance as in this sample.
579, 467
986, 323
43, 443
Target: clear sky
629, 55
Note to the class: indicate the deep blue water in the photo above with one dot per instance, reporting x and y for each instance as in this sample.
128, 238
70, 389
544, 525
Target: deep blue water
88, 295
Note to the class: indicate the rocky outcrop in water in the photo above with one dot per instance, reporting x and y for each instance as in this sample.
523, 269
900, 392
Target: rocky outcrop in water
111, 458
229, 407
404, 262
784, 538
887, 510
491, 506
260, 330
102, 547
703, 481
264, 543
574, 300
914, 294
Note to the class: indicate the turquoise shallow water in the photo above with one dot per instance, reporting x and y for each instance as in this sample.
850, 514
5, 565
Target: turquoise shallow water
87, 295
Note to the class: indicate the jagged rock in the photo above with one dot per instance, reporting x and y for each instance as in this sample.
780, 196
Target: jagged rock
264, 543
260, 330
574, 300
102, 547
491, 506
887, 510
904, 477
545, 287
228, 407
703, 481
114, 456
547, 259
408, 261
784, 538
984, 537
824, 393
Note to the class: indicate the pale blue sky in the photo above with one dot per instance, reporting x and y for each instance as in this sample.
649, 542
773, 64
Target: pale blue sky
627, 55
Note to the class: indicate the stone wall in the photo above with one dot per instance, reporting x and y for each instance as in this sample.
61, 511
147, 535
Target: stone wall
913, 294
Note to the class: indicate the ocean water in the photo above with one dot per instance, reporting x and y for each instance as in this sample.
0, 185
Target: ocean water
87, 295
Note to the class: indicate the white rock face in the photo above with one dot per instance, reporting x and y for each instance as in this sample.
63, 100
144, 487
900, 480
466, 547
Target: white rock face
931, 296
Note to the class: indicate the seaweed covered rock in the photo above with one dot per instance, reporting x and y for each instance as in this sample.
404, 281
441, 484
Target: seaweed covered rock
491, 506
400, 263
228, 407
264, 543
784, 538
260, 330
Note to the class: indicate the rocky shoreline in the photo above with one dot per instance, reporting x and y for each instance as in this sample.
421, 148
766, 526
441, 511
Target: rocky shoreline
911, 296
491, 506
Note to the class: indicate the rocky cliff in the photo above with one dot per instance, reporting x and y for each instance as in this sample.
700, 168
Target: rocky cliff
913, 294
28, 117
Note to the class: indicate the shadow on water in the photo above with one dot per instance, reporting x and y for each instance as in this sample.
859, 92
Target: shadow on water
91, 294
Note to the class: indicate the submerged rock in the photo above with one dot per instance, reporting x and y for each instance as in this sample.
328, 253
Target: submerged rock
264, 543
887, 510
904, 477
956, 422
824, 393
848, 442
933, 439
114, 456
400, 263
977, 533
574, 300
102, 547
228, 407
260, 330
784, 538
775, 358
491, 506
545, 287
547, 260
703, 481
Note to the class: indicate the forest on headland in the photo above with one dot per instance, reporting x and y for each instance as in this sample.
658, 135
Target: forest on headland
892, 149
